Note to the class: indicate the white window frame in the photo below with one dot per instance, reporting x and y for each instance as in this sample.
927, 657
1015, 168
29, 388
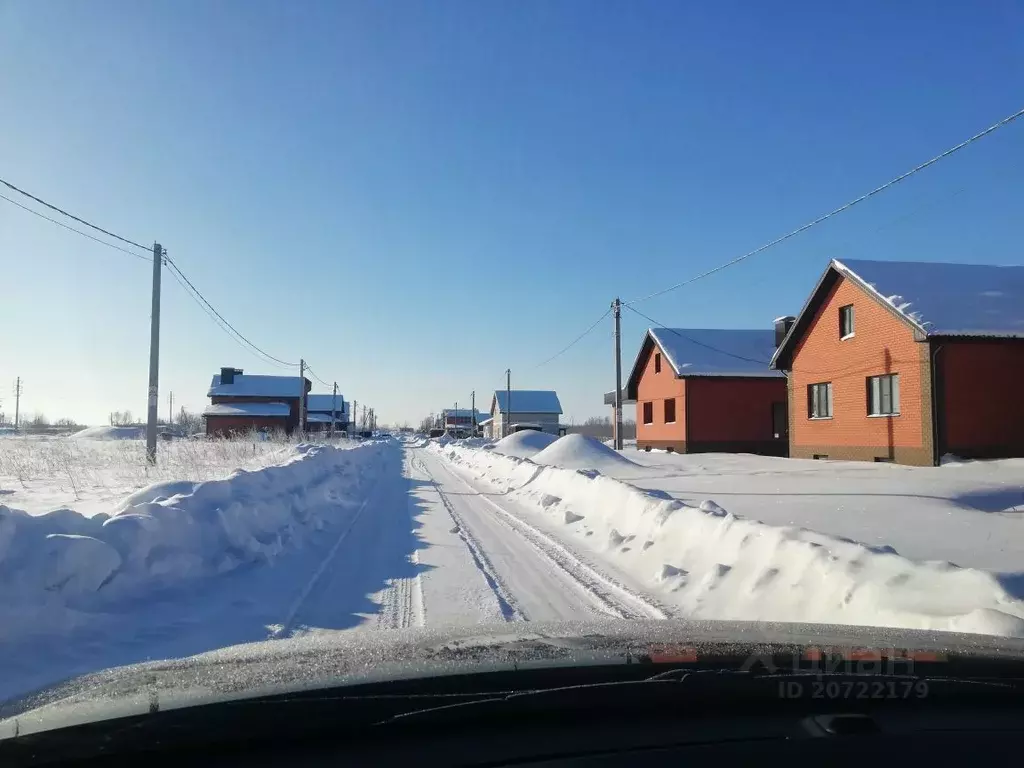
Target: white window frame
813, 401
853, 328
883, 392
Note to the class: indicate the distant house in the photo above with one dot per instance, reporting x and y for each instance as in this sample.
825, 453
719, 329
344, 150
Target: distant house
239, 402
461, 420
708, 390
322, 409
907, 361
527, 409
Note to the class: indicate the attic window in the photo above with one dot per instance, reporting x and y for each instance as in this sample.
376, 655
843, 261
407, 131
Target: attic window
846, 321
657, 362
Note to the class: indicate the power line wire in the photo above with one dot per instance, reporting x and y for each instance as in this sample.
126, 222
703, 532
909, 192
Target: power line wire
692, 340
576, 340
311, 373
72, 216
840, 209
174, 267
77, 231
212, 316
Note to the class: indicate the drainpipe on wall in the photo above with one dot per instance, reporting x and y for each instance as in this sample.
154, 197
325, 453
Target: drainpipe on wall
936, 411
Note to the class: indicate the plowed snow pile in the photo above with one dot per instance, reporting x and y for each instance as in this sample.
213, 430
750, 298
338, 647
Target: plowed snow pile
711, 564
579, 452
523, 444
171, 533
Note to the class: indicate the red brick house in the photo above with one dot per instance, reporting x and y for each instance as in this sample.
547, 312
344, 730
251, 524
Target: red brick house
701, 390
906, 362
239, 402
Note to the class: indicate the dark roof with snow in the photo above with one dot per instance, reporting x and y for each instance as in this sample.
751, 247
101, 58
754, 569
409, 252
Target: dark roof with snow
325, 404
934, 298
255, 385
527, 401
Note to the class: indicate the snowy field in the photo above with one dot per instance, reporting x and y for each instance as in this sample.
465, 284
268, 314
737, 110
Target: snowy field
105, 561
93, 470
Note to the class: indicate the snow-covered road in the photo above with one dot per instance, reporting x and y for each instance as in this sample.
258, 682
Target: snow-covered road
532, 576
384, 535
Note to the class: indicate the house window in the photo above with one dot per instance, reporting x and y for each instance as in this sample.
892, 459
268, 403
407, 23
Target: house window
657, 362
884, 395
670, 411
819, 401
846, 321
648, 413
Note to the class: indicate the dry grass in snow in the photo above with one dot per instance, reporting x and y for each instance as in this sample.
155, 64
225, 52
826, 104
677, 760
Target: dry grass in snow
89, 476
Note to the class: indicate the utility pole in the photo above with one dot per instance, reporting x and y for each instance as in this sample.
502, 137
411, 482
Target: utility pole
170, 409
472, 405
334, 410
508, 403
302, 396
455, 419
17, 402
617, 314
353, 415
154, 356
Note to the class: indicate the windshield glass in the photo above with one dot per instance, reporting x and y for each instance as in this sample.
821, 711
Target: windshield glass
353, 320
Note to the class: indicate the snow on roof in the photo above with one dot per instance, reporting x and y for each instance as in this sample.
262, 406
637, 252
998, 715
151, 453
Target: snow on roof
529, 401
325, 403
248, 409
318, 418
485, 420
461, 412
947, 299
717, 351
255, 385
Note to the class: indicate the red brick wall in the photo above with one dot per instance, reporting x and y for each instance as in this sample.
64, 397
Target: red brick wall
882, 343
225, 424
732, 409
656, 388
982, 396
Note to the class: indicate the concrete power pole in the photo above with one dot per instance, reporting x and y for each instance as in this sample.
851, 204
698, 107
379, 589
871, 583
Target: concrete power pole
617, 314
508, 403
17, 402
334, 409
302, 396
472, 405
154, 356
170, 408
353, 414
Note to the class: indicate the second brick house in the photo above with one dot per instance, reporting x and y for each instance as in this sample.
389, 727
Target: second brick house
704, 390
242, 402
907, 361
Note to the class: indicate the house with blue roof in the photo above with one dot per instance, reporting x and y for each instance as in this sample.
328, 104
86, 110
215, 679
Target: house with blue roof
700, 390
907, 361
519, 409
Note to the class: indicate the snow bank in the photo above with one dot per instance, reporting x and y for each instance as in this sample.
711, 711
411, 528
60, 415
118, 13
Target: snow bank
111, 433
712, 564
175, 532
580, 452
523, 444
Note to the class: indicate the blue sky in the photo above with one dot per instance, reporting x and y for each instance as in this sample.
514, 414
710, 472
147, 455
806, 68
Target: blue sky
415, 196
